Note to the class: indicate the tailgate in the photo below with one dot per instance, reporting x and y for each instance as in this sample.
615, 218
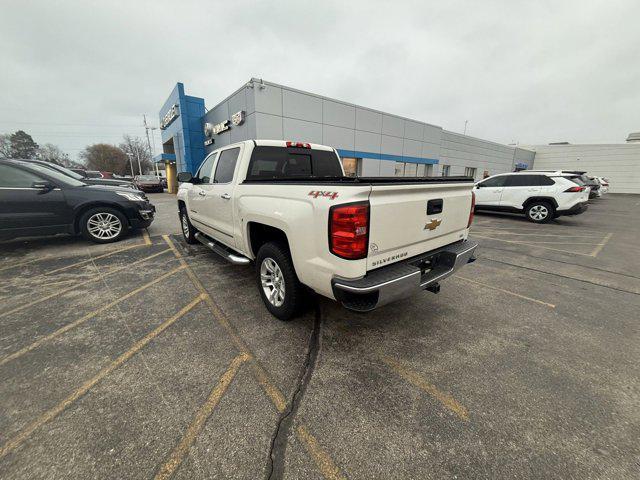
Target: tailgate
400, 226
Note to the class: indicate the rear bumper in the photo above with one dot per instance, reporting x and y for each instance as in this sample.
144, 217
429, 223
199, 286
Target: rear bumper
403, 279
577, 209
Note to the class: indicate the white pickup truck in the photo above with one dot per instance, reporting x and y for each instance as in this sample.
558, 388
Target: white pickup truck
289, 208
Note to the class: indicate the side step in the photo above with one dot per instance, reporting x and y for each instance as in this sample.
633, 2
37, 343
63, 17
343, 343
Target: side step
221, 250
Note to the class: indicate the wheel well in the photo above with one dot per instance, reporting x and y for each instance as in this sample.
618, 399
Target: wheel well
550, 200
259, 234
84, 208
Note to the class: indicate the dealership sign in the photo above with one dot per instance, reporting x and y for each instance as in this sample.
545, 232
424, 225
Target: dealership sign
170, 116
211, 129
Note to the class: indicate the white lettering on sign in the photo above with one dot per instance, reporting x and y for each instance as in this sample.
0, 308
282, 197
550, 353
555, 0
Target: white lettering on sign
238, 118
170, 116
218, 128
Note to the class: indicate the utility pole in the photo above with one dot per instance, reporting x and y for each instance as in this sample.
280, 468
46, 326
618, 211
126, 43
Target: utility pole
151, 152
465, 127
131, 163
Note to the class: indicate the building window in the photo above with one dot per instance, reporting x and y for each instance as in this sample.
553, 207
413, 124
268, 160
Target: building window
410, 169
352, 166
425, 170
470, 172
399, 169
446, 170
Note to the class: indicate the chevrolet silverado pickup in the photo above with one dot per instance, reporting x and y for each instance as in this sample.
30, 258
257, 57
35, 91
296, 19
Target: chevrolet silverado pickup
288, 208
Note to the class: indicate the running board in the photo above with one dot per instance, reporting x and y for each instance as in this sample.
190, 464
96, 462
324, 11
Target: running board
222, 251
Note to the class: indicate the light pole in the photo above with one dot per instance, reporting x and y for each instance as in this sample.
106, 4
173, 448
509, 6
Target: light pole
131, 163
151, 152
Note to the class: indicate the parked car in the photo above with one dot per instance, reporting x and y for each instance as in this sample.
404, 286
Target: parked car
289, 208
148, 183
106, 174
90, 181
36, 200
589, 182
604, 184
538, 195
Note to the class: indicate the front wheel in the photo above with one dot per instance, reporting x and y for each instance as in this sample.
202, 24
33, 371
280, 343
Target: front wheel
103, 225
278, 284
540, 212
188, 230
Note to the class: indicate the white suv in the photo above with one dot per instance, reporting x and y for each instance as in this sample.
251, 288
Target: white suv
540, 196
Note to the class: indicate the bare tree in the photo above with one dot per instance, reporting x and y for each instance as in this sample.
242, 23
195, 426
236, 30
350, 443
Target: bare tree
105, 157
54, 154
5, 145
139, 151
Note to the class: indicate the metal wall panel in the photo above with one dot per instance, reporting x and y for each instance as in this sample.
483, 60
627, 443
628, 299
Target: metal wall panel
391, 145
268, 99
338, 114
301, 131
367, 141
338, 137
392, 125
301, 106
368, 120
620, 163
268, 127
413, 130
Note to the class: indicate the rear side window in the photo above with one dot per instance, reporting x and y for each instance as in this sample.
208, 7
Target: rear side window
11, 177
576, 180
544, 180
523, 180
226, 165
282, 162
494, 182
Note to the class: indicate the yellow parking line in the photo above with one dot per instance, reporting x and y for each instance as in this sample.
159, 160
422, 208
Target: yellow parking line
270, 389
550, 305
413, 378
66, 267
16, 265
600, 246
181, 450
525, 243
147, 238
91, 280
87, 317
52, 413
323, 461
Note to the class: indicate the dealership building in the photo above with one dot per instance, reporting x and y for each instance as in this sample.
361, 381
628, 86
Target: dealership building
370, 142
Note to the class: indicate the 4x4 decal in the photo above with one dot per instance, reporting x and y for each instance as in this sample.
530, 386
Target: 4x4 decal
318, 193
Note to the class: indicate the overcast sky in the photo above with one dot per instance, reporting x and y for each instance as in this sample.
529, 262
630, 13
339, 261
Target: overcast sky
81, 72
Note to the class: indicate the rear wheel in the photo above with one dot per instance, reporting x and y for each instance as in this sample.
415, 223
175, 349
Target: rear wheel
188, 230
278, 284
103, 225
540, 212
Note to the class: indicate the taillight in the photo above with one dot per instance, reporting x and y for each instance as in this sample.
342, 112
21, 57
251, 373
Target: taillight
298, 145
349, 230
473, 207
575, 189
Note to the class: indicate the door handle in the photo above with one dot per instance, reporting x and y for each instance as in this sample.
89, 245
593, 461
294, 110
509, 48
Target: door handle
225, 196
202, 193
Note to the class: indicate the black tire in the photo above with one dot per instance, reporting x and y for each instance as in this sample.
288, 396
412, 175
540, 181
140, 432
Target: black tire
188, 230
93, 225
540, 211
294, 293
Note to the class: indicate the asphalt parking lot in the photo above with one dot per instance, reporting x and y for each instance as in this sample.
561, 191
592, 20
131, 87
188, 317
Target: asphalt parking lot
153, 359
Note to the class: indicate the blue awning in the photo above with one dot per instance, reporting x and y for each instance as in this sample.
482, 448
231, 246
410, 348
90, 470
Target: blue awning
165, 157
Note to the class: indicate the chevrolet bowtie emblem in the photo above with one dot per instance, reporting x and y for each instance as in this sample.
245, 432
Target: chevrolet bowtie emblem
433, 224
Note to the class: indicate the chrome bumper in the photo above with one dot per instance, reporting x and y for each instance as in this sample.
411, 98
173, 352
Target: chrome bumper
403, 279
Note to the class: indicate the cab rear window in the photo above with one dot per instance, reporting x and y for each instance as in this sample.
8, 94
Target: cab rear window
282, 162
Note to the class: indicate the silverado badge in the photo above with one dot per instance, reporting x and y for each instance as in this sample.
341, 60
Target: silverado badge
433, 224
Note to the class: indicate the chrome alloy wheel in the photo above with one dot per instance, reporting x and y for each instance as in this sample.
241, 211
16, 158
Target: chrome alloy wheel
539, 212
272, 282
185, 225
104, 226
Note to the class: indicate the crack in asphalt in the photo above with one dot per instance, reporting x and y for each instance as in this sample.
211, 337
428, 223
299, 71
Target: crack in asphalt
278, 447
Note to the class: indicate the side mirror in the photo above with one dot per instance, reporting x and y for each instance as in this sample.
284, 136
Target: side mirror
185, 177
44, 186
